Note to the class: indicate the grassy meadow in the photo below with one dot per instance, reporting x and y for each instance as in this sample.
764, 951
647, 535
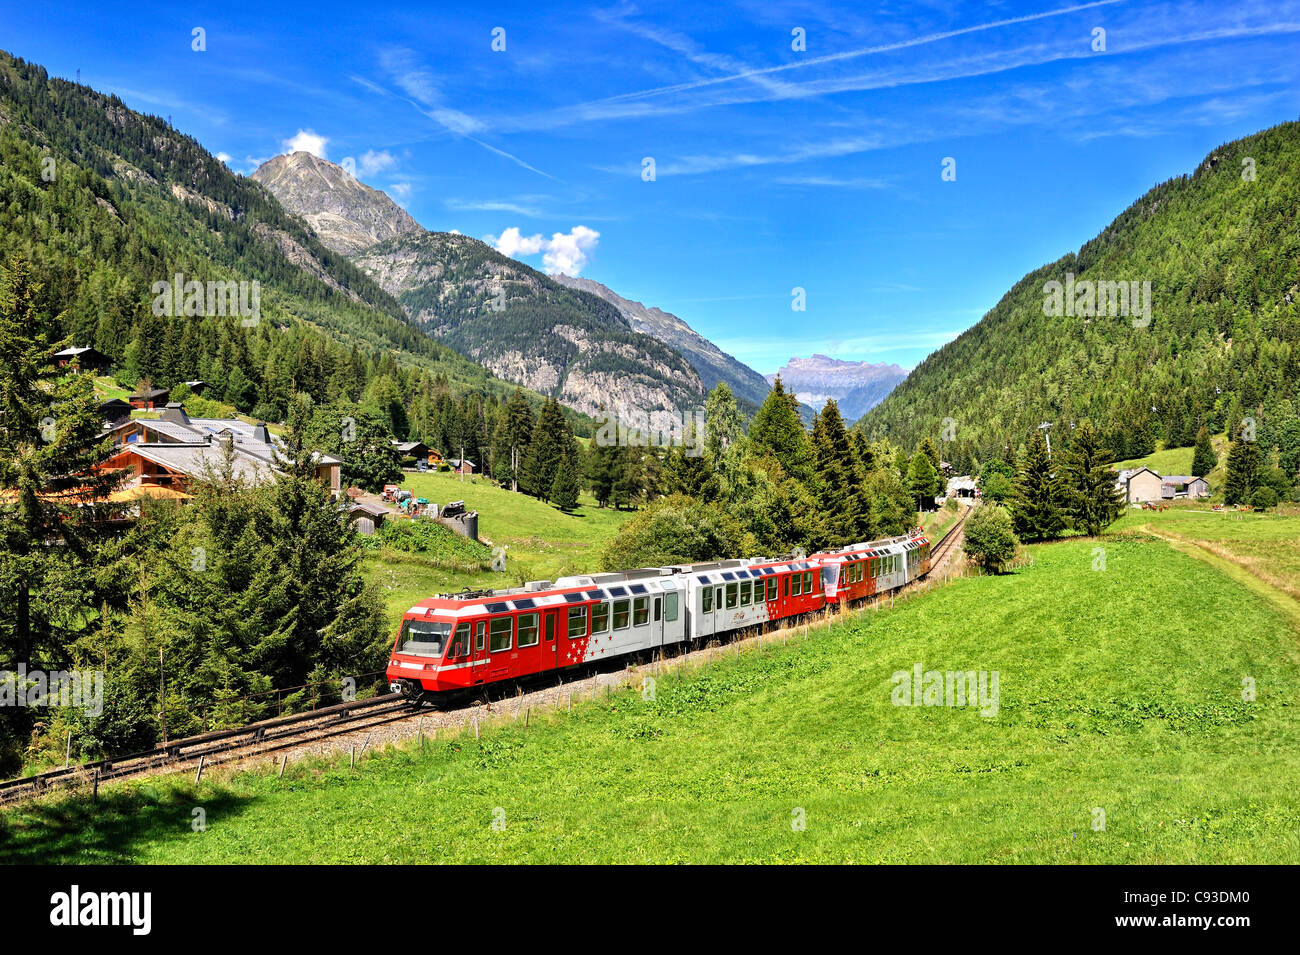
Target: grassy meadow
542, 542
1120, 692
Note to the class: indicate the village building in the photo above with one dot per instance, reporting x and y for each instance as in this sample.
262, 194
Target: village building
150, 399
1145, 486
87, 359
115, 410
461, 467
176, 450
962, 486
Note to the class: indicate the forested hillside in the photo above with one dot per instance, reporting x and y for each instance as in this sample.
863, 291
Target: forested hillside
1222, 253
104, 202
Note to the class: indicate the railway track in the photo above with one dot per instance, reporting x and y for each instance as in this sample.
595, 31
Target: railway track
302, 729
216, 747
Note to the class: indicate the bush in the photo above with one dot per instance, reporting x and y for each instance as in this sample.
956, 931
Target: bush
990, 540
676, 530
1263, 499
421, 535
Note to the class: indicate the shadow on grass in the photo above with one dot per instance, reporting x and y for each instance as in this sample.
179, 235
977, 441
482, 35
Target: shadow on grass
78, 830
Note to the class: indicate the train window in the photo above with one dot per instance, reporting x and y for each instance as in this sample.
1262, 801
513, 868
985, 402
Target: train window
745, 594
659, 609
731, 596
500, 632
424, 638
480, 636
460, 642
640, 611
620, 614
807, 582
706, 600
577, 622
796, 585
771, 588
527, 630
599, 617
670, 607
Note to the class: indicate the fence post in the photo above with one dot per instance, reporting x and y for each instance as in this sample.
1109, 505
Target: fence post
67, 755
199, 775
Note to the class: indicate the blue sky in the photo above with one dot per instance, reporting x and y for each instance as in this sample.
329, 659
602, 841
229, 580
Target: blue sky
776, 168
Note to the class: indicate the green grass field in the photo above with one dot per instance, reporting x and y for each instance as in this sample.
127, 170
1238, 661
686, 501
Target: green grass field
541, 541
1120, 690
1267, 545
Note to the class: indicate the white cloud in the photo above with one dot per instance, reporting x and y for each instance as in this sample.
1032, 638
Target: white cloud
224, 158
372, 162
308, 141
513, 244
570, 253
402, 190
567, 252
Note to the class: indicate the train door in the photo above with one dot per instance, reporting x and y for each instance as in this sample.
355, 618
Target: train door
657, 621
550, 638
478, 653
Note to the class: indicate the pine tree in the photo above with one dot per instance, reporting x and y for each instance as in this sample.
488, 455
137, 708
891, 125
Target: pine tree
923, 480
565, 487
723, 423
837, 477
778, 429
1092, 501
1243, 469
1204, 460
546, 448
1038, 495
50, 444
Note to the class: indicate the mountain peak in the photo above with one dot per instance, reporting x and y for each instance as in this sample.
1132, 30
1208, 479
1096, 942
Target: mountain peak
345, 213
856, 386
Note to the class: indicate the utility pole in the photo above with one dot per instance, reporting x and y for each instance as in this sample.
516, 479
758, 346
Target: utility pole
1046, 428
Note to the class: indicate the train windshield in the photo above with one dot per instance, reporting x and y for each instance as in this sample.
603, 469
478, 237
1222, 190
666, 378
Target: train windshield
424, 638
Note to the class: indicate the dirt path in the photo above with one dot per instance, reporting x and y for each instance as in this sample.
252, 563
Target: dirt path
1234, 567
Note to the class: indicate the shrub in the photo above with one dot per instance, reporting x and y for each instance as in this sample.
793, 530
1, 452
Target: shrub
990, 540
1263, 499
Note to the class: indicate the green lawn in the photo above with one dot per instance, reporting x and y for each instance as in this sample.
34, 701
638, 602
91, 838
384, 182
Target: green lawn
1268, 545
1119, 690
541, 541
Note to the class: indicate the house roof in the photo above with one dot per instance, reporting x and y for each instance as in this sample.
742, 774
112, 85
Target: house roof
152, 393
75, 351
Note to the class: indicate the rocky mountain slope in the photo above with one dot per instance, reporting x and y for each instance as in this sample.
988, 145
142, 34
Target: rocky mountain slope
856, 386
512, 319
710, 362
345, 213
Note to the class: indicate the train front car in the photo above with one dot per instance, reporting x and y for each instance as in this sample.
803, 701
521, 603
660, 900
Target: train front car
430, 644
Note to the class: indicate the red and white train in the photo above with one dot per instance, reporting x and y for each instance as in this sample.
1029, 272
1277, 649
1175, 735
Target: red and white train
458, 642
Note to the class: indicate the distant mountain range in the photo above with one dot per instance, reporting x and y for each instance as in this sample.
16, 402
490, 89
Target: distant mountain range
856, 386
563, 336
